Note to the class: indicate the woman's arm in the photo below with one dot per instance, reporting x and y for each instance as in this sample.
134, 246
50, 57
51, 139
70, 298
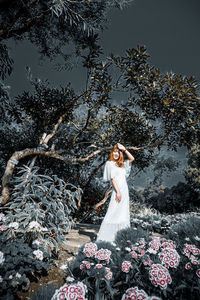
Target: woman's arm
118, 194
128, 154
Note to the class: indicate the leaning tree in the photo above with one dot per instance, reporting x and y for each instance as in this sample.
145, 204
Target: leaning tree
78, 128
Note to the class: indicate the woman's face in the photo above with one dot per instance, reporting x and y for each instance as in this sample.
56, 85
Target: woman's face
116, 154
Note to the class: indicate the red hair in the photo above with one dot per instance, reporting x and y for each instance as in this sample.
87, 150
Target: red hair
120, 161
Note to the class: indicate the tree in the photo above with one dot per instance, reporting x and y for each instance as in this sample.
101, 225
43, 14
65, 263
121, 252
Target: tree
192, 172
55, 27
90, 124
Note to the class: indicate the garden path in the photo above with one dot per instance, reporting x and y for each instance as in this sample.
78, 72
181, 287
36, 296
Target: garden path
80, 234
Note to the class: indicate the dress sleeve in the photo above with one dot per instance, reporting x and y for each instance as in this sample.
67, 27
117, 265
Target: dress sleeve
127, 166
109, 171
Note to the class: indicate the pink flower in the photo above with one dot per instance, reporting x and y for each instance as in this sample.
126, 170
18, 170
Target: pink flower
81, 266
61, 296
90, 249
142, 252
109, 275
103, 254
71, 291
88, 266
155, 243
194, 262
126, 265
169, 257
191, 248
107, 269
65, 289
168, 244
159, 276
134, 254
148, 262
2, 228
198, 272
188, 266
135, 293
98, 266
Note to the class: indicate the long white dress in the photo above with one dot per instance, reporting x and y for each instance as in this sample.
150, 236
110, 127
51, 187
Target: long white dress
118, 214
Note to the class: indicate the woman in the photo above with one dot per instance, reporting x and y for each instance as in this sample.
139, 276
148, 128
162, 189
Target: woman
118, 215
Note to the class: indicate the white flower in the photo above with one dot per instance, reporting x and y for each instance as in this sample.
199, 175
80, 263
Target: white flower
10, 277
34, 224
2, 217
18, 275
70, 258
38, 254
37, 242
197, 238
1, 278
14, 225
44, 229
157, 222
150, 250
113, 244
187, 239
118, 249
128, 249
1, 258
63, 267
69, 278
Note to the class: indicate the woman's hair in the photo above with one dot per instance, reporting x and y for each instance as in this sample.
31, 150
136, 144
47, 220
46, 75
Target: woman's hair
120, 161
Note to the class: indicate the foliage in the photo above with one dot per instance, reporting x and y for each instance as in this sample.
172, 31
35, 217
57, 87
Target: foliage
192, 172
165, 267
6, 62
88, 121
36, 221
20, 265
55, 27
46, 203
44, 292
71, 290
179, 198
93, 266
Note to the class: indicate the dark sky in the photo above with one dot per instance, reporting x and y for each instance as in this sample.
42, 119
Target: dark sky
168, 28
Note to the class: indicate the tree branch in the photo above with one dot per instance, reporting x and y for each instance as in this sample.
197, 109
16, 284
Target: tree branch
18, 155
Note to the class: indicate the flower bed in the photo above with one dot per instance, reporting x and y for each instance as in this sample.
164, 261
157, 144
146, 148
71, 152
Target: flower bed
141, 266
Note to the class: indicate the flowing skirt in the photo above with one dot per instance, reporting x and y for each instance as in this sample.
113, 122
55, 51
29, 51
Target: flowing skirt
117, 216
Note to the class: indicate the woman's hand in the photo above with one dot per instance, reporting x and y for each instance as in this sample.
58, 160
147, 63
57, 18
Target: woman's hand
118, 197
121, 147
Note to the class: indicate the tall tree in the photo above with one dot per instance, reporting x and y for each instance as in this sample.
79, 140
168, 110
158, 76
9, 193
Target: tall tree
73, 127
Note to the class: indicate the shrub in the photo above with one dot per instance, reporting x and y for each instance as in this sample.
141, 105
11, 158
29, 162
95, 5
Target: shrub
166, 267
36, 220
178, 199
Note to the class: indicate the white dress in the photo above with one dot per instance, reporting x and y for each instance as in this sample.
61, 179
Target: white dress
118, 214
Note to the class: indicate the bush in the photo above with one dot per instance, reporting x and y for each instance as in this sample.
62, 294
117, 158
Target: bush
36, 221
166, 267
19, 264
178, 199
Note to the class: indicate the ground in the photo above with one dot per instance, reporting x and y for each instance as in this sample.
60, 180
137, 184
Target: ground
77, 236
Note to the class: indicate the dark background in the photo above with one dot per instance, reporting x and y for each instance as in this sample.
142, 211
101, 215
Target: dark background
169, 29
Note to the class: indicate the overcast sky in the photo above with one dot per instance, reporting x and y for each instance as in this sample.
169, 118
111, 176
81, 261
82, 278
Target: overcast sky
168, 28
